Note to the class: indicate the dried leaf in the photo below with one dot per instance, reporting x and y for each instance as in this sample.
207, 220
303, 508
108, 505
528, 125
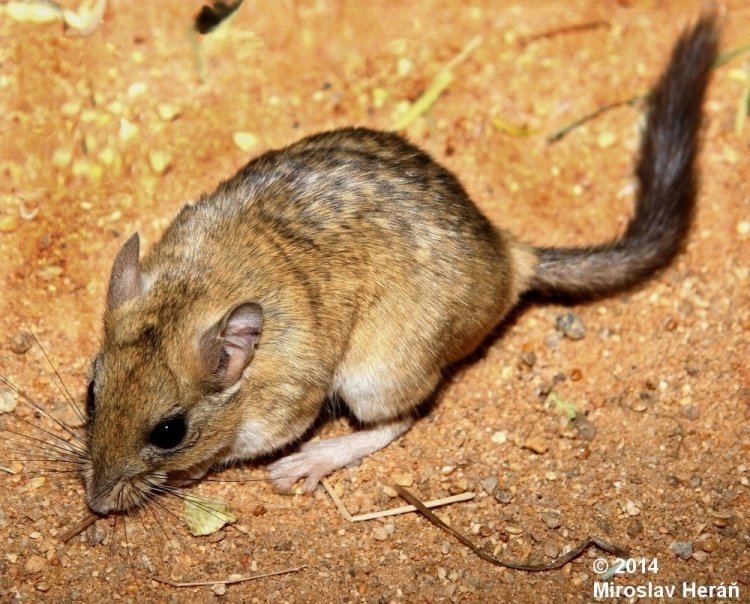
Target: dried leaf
206, 517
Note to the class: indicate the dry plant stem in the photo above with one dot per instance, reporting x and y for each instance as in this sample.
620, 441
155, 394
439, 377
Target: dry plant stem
79, 528
294, 569
721, 60
560, 133
557, 563
337, 500
393, 511
568, 29
435, 503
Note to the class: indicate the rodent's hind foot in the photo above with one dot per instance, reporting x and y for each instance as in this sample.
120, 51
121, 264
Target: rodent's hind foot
315, 460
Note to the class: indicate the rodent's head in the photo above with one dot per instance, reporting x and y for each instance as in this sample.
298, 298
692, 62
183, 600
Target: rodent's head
159, 402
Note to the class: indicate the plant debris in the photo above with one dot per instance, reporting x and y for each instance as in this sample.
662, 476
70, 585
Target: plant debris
559, 404
393, 511
230, 581
566, 29
204, 517
555, 564
79, 528
440, 82
634, 100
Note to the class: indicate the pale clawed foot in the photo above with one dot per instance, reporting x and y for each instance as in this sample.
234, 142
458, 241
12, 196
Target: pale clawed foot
315, 460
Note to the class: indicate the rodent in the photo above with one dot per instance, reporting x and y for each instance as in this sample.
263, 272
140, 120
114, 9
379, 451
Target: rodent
351, 264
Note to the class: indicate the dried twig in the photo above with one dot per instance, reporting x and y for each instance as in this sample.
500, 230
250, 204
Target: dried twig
567, 29
561, 132
441, 81
557, 563
294, 569
79, 528
721, 60
337, 500
405, 509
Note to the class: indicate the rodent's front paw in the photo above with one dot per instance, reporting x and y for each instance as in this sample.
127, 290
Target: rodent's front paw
312, 463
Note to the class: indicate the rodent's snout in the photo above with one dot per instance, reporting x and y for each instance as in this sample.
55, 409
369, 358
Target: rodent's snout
114, 495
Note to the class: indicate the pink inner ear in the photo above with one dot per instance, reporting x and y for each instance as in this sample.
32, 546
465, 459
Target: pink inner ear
239, 338
125, 279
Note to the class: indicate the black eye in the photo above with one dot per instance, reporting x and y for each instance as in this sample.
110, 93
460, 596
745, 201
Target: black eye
169, 433
90, 401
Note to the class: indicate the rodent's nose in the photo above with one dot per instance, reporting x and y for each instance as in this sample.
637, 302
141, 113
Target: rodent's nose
104, 496
97, 505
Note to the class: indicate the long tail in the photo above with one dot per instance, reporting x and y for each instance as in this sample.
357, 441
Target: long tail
666, 177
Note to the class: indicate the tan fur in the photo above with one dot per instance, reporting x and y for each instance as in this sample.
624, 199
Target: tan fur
358, 267
373, 269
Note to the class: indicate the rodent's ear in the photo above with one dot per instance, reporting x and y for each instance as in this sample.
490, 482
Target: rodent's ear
227, 347
125, 281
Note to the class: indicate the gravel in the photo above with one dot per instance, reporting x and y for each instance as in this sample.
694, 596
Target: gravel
571, 326
552, 519
683, 549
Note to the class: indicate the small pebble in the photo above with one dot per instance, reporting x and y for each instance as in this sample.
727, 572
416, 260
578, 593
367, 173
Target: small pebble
571, 326
160, 161
709, 545
127, 130
380, 533
499, 438
632, 509
585, 428
219, 589
606, 140
536, 444
635, 528
550, 549
390, 491
743, 227
34, 564
528, 359
95, 535
513, 529
8, 401
245, 141
62, 157
690, 412
167, 112
552, 519
43, 586
700, 556
683, 549
504, 496
137, 89
447, 470
576, 375
404, 480
489, 484
21, 342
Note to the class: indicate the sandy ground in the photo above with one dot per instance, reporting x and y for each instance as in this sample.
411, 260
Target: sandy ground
110, 134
